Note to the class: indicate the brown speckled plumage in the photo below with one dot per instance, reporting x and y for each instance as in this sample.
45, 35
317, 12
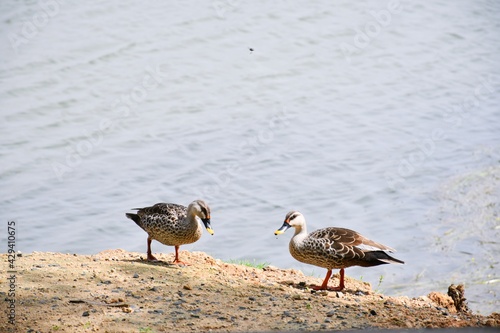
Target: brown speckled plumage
333, 248
173, 224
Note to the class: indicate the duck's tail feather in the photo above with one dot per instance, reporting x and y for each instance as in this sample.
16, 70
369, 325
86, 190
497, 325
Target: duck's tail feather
374, 258
135, 218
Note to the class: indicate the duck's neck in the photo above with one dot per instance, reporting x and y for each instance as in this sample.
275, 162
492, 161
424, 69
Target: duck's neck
300, 232
297, 239
191, 217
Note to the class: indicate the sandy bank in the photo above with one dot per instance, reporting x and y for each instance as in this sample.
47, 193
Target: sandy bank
117, 291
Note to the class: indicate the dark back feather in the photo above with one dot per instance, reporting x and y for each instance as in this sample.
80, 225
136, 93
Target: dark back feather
135, 218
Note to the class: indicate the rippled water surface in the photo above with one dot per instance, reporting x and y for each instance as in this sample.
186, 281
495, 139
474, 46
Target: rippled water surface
379, 116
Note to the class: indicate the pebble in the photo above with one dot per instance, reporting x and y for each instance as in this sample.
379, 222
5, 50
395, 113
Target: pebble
179, 302
389, 303
373, 312
330, 313
136, 276
127, 310
85, 314
175, 313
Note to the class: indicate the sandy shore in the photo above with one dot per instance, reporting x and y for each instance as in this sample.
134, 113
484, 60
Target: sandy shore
118, 291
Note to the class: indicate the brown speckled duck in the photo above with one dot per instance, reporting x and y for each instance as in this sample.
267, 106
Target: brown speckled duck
173, 224
333, 248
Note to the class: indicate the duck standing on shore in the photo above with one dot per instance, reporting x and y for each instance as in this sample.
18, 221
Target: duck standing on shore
173, 224
333, 248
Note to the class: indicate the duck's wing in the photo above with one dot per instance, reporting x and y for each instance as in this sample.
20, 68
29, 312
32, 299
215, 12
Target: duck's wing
350, 238
344, 244
340, 248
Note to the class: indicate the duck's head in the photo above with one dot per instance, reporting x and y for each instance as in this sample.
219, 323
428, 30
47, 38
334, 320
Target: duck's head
200, 209
293, 219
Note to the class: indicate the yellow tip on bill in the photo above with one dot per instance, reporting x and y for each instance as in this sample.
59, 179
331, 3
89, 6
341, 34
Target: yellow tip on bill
210, 231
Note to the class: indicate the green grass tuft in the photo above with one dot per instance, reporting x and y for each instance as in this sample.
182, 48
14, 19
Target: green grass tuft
246, 262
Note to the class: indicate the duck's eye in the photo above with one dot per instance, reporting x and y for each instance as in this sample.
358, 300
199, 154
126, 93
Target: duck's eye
204, 211
293, 216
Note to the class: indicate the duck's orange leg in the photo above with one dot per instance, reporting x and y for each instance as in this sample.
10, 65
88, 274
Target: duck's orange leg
150, 255
324, 286
176, 260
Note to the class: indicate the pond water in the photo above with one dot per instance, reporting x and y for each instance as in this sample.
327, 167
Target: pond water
382, 117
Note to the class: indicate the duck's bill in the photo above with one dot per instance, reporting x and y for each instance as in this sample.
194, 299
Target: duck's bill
283, 228
206, 222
